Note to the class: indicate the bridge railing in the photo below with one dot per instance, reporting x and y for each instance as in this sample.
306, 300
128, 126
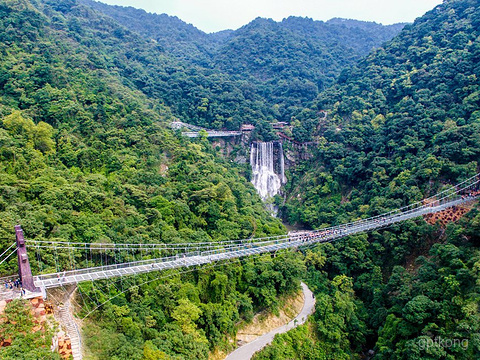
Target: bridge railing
436, 200
326, 234
208, 251
147, 246
235, 251
232, 247
61, 276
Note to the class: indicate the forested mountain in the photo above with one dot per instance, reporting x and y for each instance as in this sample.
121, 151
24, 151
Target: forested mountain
266, 49
86, 156
402, 119
291, 61
82, 147
193, 94
172, 34
285, 63
402, 124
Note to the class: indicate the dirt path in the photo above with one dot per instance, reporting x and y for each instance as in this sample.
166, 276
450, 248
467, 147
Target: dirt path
246, 351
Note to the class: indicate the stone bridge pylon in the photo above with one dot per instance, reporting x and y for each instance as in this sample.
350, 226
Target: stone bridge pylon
24, 269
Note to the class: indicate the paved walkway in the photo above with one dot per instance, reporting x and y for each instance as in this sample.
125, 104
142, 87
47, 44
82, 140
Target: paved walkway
9, 294
246, 351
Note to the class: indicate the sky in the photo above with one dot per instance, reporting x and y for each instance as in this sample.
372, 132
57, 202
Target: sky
215, 15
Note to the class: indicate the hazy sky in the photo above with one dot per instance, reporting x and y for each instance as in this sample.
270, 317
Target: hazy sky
215, 15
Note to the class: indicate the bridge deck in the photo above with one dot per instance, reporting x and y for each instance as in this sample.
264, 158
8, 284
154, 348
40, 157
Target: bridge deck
237, 250
211, 133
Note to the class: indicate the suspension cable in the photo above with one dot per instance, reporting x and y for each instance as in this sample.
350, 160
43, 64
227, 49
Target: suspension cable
234, 248
8, 249
13, 252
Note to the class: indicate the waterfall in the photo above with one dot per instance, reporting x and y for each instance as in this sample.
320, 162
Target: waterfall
264, 178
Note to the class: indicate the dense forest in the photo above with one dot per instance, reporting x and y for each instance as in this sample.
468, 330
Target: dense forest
282, 64
80, 143
87, 157
402, 124
86, 95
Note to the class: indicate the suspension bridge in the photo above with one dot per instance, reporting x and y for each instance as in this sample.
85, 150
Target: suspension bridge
64, 263
195, 131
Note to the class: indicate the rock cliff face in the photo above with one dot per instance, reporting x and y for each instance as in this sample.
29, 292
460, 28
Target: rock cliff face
268, 162
227, 146
295, 153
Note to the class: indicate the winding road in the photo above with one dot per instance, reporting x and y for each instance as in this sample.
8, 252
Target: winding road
246, 351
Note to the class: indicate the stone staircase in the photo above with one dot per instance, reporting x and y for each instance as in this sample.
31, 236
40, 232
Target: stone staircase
65, 318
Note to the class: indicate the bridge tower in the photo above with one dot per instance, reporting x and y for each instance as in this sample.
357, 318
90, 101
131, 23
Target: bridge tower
24, 270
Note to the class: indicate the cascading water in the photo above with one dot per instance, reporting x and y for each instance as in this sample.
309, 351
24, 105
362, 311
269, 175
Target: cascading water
264, 177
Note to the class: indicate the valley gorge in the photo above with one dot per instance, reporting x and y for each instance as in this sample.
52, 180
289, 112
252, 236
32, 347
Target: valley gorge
327, 123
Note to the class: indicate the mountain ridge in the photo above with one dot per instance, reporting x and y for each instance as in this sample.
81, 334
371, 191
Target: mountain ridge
286, 63
86, 156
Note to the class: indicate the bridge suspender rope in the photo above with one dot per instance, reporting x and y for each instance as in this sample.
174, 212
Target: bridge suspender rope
202, 253
8, 256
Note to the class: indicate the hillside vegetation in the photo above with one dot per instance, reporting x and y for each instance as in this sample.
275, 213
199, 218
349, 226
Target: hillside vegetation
284, 65
402, 125
86, 155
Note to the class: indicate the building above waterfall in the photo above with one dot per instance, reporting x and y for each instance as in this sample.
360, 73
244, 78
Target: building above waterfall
247, 127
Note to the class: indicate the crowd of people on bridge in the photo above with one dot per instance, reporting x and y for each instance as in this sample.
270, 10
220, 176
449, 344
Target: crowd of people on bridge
306, 236
15, 285
471, 194
327, 234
